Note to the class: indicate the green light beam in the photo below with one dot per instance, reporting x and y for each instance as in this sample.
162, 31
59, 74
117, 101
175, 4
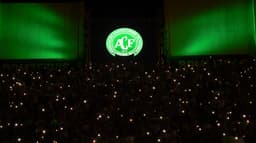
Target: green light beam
222, 30
254, 21
33, 31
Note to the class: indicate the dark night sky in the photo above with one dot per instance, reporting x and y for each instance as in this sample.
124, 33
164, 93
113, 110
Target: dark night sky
123, 8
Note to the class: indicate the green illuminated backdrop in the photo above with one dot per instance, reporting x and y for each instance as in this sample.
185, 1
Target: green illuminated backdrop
39, 31
209, 27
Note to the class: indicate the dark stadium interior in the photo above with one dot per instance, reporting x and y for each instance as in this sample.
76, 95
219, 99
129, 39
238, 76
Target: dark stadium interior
194, 80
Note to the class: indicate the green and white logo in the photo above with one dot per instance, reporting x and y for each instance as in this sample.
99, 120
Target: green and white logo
124, 42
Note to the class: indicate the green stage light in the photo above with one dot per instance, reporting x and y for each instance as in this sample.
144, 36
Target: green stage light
34, 31
227, 29
254, 20
124, 42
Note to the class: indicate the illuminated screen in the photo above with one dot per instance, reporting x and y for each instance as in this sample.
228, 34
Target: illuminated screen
124, 42
209, 28
40, 31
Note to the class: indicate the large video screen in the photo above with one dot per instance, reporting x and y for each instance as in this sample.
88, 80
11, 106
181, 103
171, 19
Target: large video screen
40, 31
123, 40
201, 27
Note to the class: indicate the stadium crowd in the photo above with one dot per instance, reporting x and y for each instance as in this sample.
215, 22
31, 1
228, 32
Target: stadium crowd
192, 101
